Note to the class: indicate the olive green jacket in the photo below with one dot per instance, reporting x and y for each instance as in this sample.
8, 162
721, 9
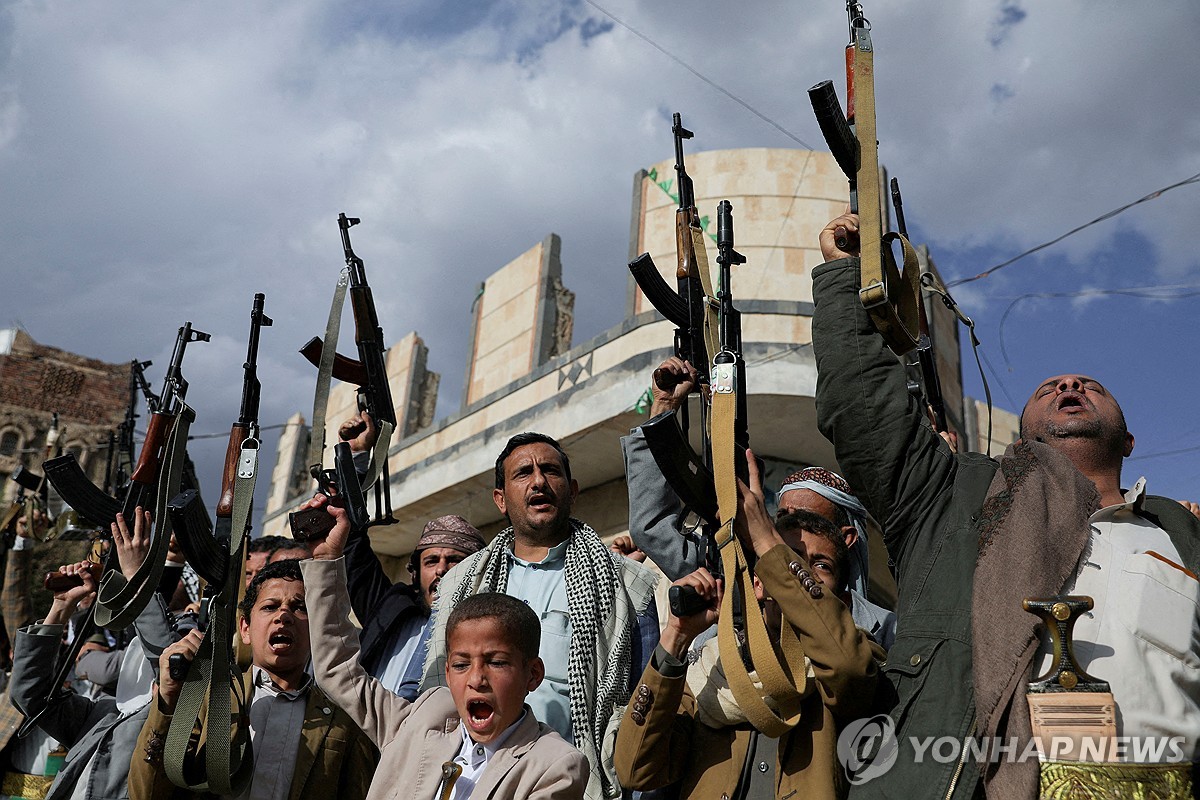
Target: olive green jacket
928, 501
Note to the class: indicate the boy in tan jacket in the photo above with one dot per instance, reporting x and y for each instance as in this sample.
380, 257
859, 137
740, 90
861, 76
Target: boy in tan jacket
475, 739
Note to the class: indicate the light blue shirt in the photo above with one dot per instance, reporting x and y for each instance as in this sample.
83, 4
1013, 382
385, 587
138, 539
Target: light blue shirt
400, 650
542, 586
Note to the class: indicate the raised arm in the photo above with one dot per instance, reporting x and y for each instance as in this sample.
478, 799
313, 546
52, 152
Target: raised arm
656, 515
335, 645
658, 729
845, 661
884, 446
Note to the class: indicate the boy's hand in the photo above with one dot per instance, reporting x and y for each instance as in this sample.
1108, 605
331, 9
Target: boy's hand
753, 525
680, 631
132, 547
333, 544
66, 601
168, 687
625, 546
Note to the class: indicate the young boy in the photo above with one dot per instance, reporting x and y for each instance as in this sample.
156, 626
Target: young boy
305, 747
475, 739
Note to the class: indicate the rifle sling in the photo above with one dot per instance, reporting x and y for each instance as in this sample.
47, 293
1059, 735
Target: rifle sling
379, 455
891, 298
775, 708
120, 601
712, 326
216, 676
316, 442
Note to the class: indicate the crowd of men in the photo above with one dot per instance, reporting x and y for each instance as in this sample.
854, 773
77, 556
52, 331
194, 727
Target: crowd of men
541, 664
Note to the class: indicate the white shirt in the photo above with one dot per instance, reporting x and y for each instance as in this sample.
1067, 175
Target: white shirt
1143, 636
276, 720
473, 758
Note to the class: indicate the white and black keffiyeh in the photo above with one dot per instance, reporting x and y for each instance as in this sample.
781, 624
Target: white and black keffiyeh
603, 622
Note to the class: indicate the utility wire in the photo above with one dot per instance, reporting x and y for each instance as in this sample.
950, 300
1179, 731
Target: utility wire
1161, 292
1164, 453
1193, 179
700, 75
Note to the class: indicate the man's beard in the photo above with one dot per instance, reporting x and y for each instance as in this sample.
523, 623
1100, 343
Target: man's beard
1075, 429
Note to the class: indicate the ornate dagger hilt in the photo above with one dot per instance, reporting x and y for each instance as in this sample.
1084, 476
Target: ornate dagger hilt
1059, 615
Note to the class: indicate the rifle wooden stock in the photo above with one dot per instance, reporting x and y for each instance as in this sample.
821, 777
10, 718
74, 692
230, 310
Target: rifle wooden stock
150, 459
58, 582
349, 370
238, 433
685, 249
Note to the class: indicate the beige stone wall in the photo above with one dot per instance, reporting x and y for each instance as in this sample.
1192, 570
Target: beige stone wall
410, 384
781, 201
1006, 428
516, 319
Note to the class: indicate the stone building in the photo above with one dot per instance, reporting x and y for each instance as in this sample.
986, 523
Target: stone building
37, 381
524, 374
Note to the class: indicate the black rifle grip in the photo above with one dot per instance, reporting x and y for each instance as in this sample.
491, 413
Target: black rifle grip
314, 523
177, 666
685, 601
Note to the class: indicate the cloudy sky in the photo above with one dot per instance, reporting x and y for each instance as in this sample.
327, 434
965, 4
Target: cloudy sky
163, 163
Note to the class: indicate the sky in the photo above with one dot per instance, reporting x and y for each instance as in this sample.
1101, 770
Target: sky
164, 163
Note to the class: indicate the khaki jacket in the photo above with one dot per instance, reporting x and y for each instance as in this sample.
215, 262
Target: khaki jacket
334, 760
417, 738
665, 742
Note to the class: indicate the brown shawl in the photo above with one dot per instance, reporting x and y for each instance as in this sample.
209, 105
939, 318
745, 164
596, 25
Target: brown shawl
1033, 530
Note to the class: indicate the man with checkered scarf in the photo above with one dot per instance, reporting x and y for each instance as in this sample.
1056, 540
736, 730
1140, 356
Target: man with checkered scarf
599, 621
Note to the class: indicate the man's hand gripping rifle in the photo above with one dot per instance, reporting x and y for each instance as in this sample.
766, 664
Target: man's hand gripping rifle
691, 308
369, 373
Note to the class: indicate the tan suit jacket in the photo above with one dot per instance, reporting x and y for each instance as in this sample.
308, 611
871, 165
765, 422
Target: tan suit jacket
416, 738
661, 741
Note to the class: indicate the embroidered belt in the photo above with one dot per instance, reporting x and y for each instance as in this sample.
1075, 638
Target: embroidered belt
1083, 780
31, 787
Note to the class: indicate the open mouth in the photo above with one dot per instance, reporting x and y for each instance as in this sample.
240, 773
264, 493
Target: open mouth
280, 641
541, 502
1070, 400
479, 714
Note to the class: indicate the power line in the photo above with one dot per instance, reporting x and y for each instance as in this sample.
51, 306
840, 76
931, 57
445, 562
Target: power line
700, 75
1160, 292
225, 434
1165, 453
1193, 179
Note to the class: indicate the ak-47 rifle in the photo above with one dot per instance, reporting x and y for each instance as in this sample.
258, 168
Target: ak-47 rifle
92, 503
728, 377
928, 390
208, 555
368, 373
891, 296
215, 690
689, 308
